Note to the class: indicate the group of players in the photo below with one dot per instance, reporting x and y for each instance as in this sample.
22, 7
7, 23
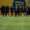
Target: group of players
18, 9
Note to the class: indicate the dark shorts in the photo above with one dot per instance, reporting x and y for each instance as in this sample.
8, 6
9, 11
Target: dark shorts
18, 11
7, 11
2, 11
22, 10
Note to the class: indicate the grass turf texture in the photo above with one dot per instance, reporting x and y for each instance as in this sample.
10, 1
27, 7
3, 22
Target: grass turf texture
14, 23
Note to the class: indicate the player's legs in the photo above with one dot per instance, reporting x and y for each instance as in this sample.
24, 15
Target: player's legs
11, 12
15, 13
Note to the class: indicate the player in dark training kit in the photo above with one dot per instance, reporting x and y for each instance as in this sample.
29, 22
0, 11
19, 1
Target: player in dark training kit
2, 10
6, 10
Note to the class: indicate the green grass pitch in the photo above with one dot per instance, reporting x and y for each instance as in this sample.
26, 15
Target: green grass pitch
14, 23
